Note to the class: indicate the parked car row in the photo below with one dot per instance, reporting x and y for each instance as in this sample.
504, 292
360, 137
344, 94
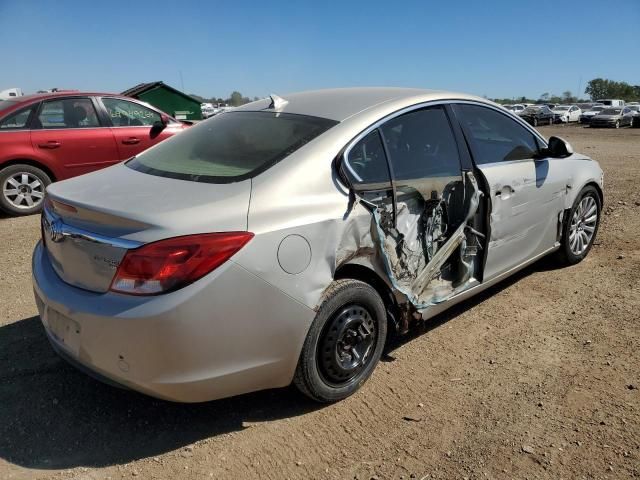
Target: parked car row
603, 113
54, 136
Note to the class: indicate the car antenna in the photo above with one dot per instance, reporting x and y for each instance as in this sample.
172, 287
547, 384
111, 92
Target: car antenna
277, 102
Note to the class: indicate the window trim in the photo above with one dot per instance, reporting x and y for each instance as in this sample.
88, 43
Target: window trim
465, 161
418, 106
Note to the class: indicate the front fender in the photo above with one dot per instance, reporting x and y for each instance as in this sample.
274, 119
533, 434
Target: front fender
582, 171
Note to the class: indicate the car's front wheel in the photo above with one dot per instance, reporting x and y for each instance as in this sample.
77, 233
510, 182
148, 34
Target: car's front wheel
581, 226
344, 343
23, 189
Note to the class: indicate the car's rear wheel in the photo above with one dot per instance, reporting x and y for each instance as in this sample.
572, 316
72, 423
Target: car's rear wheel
581, 226
535, 122
23, 189
344, 343
631, 122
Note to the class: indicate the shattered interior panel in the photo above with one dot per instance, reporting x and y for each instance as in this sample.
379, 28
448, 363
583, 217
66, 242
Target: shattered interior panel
431, 252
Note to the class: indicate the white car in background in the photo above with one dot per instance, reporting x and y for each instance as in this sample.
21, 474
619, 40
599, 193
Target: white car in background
517, 108
588, 115
566, 114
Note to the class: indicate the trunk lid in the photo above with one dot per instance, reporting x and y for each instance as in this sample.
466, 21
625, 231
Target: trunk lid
90, 222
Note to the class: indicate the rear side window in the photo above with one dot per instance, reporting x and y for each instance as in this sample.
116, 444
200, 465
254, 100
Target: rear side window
67, 113
495, 137
231, 146
366, 162
16, 120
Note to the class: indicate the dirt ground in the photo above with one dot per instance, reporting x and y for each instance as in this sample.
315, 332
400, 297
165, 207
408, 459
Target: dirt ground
536, 378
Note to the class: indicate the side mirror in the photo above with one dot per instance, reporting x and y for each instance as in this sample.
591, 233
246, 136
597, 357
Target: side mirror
161, 124
559, 148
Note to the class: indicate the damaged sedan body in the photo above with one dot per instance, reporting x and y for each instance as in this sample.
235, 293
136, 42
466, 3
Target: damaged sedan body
286, 240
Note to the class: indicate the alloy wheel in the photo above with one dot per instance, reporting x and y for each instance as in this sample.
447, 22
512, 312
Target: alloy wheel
23, 190
583, 225
346, 344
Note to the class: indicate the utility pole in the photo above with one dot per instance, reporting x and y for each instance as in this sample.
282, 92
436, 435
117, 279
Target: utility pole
579, 94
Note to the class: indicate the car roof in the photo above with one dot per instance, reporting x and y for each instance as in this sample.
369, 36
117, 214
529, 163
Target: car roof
68, 93
341, 103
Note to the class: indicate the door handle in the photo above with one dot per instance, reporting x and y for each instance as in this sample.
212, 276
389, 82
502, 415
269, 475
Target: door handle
505, 192
50, 144
131, 141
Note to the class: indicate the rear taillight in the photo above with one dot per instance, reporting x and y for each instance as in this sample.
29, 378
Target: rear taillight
167, 265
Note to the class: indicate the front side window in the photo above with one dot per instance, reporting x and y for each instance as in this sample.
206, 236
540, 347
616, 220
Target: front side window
129, 114
495, 137
421, 144
67, 113
17, 120
231, 146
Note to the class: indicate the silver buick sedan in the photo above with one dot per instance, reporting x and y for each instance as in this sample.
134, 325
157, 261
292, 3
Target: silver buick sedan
284, 241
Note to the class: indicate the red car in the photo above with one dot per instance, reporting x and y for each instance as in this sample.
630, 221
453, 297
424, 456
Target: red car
53, 136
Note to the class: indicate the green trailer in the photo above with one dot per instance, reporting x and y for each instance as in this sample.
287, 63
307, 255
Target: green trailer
168, 99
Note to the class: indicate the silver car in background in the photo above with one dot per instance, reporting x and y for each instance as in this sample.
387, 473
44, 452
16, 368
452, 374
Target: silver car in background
614, 117
284, 241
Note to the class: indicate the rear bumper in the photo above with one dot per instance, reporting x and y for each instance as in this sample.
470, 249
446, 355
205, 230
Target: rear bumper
226, 334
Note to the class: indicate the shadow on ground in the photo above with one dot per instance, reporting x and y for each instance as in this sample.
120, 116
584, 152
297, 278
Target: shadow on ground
52, 416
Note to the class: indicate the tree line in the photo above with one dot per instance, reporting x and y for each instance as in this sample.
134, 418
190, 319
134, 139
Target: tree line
596, 89
235, 99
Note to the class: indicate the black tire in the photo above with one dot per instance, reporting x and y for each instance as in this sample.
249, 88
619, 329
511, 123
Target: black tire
320, 374
8, 202
631, 123
535, 122
551, 121
617, 123
565, 254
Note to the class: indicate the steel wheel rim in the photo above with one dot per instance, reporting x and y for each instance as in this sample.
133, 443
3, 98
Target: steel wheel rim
346, 345
583, 225
23, 190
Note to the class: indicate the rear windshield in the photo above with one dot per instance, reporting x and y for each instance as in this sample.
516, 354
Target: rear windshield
231, 146
612, 111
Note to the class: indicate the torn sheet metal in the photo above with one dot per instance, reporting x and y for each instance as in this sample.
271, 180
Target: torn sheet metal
428, 250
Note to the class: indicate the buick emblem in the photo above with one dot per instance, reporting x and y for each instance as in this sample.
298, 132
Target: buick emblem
54, 230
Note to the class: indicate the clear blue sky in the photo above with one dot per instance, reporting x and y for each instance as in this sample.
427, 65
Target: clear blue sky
494, 48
